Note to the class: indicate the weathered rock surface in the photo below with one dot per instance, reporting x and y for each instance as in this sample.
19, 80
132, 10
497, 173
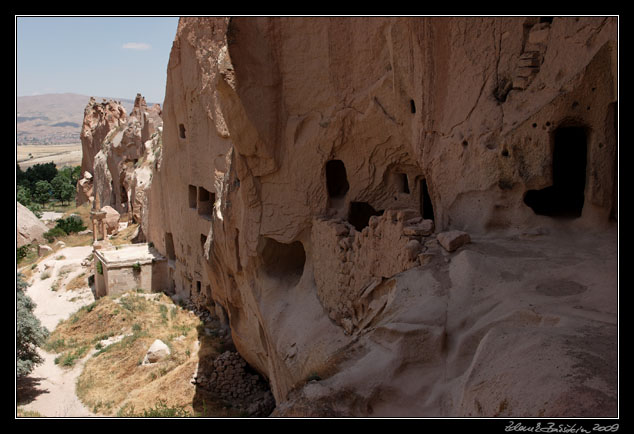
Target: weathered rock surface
301, 160
30, 229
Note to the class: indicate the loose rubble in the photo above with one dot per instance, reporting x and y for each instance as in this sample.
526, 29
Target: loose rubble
231, 379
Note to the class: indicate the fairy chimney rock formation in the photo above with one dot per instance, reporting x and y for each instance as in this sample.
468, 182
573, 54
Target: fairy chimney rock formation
119, 152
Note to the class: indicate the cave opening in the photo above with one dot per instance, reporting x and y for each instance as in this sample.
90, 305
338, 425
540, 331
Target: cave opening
565, 197
281, 260
205, 202
336, 179
360, 213
181, 131
426, 207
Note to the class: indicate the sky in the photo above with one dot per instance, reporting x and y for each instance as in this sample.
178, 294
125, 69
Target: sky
115, 57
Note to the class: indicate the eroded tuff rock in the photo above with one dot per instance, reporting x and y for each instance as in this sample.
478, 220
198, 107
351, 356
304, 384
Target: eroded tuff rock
308, 162
30, 229
119, 152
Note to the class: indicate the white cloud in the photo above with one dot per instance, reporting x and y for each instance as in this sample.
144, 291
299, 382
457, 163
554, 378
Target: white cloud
136, 46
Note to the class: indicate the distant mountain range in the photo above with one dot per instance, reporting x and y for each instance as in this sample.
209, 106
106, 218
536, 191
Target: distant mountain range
54, 118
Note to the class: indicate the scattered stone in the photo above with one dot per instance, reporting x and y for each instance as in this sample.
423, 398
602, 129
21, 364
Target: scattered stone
43, 250
157, 351
453, 240
421, 229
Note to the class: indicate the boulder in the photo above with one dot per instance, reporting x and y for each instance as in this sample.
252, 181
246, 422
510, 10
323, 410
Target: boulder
424, 228
453, 240
30, 229
157, 351
43, 250
112, 219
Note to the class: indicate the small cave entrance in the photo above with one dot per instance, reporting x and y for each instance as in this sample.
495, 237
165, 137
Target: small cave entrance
205, 202
336, 179
426, 207
181, 131
282, 261
565, 197
360, 213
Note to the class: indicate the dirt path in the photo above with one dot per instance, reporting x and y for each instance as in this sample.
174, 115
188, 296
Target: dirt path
50, 389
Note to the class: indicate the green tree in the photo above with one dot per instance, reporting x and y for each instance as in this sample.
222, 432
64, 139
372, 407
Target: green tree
42, 193
72, 173
67, 193
63, 188
23, 195
30, 333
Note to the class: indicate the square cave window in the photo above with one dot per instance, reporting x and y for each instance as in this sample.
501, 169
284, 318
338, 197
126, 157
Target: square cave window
205, 202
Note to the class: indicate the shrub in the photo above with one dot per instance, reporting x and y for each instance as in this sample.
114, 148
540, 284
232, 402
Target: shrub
21, 252
54, 233
161, 409
30, 333
71, 224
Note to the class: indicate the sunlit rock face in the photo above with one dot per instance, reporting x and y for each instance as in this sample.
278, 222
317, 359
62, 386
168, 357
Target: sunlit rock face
118, 155
308, 165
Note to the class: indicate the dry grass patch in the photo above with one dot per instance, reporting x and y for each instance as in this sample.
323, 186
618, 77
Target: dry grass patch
125, 236
78, 282
21, 412
114, 380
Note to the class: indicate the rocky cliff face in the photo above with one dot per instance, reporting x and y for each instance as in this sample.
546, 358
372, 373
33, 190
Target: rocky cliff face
309, 164
118, 154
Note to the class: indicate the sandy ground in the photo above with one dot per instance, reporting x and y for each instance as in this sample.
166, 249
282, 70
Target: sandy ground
50, 389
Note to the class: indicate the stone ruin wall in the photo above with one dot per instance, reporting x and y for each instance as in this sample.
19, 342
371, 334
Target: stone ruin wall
446, 122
